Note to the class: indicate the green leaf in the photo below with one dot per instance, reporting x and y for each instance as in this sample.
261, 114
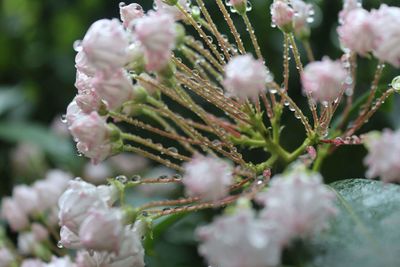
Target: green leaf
60, 150
366, 231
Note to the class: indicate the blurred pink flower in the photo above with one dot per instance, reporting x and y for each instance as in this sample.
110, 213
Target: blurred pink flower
291, 203
386, 21
14, 214
240, 240
356, 32
245, 77
384, 154
323, 79
6, 257
207, 177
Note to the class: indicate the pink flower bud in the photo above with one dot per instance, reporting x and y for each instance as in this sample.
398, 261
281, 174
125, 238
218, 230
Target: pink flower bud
83, 82
245, 77
323, 79
173, 11
114, 88
290, 202
385, 22
102, 230
129, 13
96, 259
357, 32
14, 214
93, 136
108, 193
75, 203
303, 15
26, 198
282, 15
156, 33
69, 239
83, 65
88, 101
97, 153
207, 177
105, 45
383, 157
73, 112
131, 252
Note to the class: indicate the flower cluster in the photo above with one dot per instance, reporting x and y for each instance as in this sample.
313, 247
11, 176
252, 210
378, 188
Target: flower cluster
290, 212
31, 212
90, 223
363, 32
29, 202
148, 87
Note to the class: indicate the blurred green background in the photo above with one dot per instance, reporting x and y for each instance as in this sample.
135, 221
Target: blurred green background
37, 75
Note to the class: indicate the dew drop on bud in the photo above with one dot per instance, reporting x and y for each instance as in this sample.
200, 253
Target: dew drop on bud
77, 45
60, 245
177, 176
173, 150
396, 84
64, 118
136, 178
121, 179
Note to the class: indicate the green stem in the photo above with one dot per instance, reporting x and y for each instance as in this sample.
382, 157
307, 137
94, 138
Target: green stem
322, 154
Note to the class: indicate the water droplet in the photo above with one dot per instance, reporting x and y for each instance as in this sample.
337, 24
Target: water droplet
136, 178
173, 150
249, 7
78, 179
177, 176
122, 179
216, 142
64, 118
77, 45
60, 245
